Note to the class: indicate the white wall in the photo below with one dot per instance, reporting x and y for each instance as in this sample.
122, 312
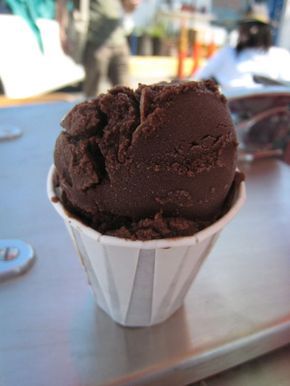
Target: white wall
145, 12
284, 33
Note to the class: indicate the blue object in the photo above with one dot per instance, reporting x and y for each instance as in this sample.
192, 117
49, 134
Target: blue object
275, 10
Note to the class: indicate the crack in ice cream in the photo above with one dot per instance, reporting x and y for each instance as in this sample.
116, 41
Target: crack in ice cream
153, 163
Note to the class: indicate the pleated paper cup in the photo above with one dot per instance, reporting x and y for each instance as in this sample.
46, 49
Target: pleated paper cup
141, 283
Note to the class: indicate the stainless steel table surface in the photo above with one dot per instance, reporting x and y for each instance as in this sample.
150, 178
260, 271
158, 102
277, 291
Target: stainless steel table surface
52, 332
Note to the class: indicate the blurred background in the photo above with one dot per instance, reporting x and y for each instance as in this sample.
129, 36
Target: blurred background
167, 39
55, 53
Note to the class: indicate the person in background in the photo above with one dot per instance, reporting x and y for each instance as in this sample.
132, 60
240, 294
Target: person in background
106, 53
252, 58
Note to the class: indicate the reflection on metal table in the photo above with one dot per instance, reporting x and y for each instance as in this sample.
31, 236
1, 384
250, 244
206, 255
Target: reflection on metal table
54, 334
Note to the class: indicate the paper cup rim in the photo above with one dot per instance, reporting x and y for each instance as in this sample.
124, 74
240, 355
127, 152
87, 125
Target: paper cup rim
198, 237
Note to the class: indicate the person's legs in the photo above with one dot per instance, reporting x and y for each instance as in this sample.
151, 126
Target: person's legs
118, 71
96, 62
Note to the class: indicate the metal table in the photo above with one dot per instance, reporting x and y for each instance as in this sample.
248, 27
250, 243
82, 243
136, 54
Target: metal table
52, 333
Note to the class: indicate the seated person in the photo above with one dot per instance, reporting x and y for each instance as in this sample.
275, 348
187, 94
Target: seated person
252, 56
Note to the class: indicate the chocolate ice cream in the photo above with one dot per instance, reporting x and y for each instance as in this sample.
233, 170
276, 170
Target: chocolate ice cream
146, 164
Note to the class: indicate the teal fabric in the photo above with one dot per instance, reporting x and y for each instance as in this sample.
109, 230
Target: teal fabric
31, 10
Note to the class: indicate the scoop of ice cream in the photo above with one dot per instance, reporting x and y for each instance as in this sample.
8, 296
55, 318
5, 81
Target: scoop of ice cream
155, 162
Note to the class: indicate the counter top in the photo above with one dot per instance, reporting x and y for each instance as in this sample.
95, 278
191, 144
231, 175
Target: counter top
54, 334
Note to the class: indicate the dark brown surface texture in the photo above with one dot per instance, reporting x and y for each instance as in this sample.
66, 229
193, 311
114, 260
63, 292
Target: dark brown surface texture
52, 332
157, 162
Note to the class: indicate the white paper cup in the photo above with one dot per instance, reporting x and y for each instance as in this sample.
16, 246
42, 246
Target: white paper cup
141, 283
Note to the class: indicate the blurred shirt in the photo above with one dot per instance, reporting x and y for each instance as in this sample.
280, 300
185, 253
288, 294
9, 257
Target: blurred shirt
231, 69
106, 23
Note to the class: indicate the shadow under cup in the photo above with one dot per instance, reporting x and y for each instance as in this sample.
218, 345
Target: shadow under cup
141, 283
